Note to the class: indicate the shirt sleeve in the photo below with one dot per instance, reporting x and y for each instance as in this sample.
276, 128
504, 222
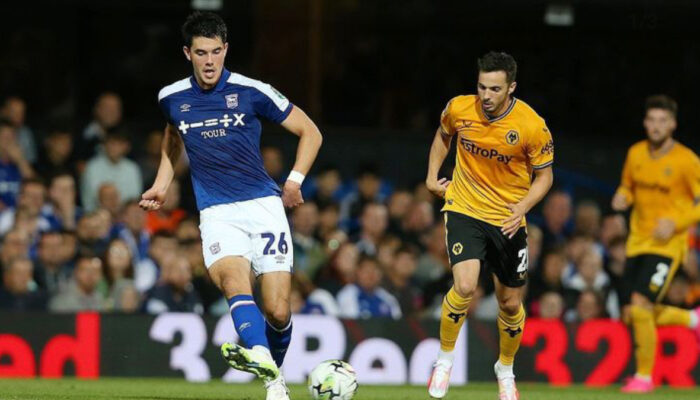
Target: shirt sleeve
270, 103
164, 105
447, 125
626, 183
692, 177
540, 147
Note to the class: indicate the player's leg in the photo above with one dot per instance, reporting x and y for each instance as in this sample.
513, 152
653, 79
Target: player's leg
275, 289
648, 275
232, 275
508, 260
466, 247
669, 315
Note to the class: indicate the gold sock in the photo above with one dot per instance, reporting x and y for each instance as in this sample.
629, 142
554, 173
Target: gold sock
644, 339
667, 315
510, 330
454, 312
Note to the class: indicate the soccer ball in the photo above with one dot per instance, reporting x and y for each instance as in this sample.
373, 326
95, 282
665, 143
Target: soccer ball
332, 380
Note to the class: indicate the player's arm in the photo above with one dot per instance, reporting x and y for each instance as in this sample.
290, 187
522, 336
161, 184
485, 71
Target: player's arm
539, 147
310, 139
170, 152
438, 151
538, 189
623, 197
667, 227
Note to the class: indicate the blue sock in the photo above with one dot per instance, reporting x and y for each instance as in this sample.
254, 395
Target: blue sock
279, 341
248, 321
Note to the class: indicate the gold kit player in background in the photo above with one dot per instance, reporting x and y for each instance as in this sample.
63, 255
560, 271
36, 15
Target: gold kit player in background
501, 141
661, 182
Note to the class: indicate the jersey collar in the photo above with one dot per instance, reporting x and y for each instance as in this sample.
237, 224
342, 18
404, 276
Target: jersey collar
219, 85
503, 114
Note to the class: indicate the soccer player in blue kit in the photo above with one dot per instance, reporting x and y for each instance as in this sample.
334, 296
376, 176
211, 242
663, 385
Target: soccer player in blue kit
215, 115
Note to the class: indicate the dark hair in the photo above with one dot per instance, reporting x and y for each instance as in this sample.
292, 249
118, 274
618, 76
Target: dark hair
162, 234
663, 102
204, 24
31, 181
5, 123
117, 134
499, 61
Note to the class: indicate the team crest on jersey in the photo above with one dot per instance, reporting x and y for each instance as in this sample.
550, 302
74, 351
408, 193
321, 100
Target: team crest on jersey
457, 248
231, 100
512, 137
185, 107
215, 248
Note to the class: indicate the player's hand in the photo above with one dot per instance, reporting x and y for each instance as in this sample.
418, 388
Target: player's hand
512, 223
619, 202
438, 187
152, 199
665, 228
291, 194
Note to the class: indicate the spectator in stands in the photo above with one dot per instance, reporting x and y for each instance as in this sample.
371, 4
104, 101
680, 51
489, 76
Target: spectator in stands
399, 205
62, 204
52, 270
111, 166
326, 187
341, 268
82, 293
398, 281
589, 305
150, 159
365, 298
163, 243
433, 263
367, 192
57, 155
534, 247
328, 219
557, 215
27, 214
589, 272
174, 292
613, 226
587, 218
15, 244
273, 161
551, 306
118, 271
373, 224
548, 278
18, 293
14, 109
170, 214
13, 166
132, 230
107, 117
190, 243
309, 255
93, 232
108, 198
416, 223
386, 251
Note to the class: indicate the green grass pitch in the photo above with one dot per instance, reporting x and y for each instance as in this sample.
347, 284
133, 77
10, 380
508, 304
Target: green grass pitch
162, 389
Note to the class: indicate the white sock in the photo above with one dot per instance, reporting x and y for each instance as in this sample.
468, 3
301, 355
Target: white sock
446, 355
262, 349
646, 378
693, 320
505, 371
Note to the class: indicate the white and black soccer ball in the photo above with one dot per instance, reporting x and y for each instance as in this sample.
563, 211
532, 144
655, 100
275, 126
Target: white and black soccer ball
333, 380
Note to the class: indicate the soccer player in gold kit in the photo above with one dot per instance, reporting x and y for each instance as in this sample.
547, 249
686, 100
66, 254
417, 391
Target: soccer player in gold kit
661, 182
501, 143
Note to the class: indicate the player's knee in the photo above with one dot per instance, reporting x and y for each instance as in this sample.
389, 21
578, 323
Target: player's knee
510, 305
465, 288
278, 315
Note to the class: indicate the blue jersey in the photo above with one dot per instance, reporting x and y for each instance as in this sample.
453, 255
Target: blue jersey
221, 131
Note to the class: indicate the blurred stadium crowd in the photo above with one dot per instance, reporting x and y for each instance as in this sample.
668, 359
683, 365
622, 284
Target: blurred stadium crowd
74, 238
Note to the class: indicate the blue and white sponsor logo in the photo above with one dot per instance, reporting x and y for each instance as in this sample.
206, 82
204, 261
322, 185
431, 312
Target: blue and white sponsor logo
185, 107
